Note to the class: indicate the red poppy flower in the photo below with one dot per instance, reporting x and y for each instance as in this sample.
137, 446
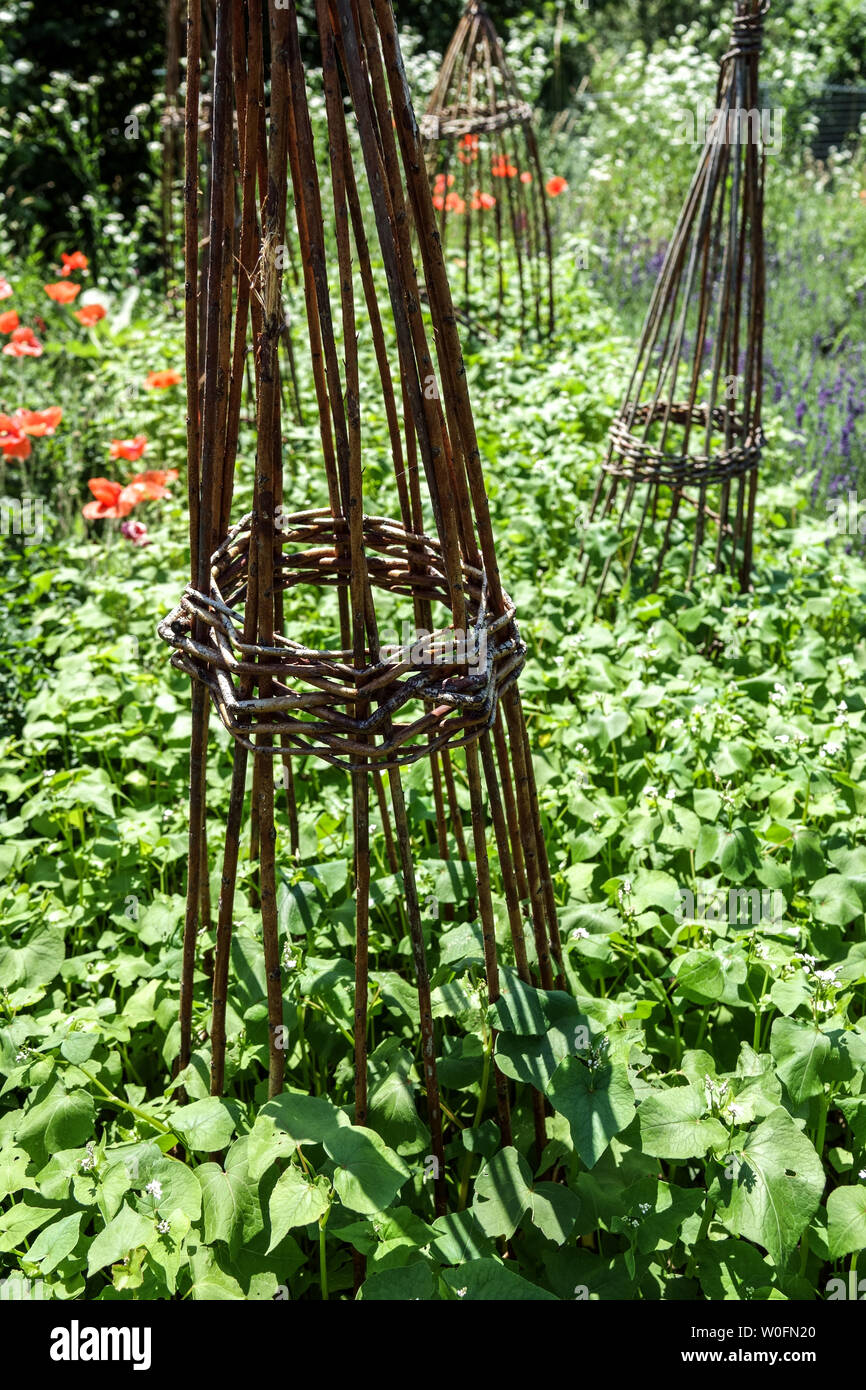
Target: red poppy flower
13, 441
89, 314
23, 343
9, 321
39, 422
111, 499
526, 177
443, 182
502, 168
77, 261
153, 484
62, 291
158, 381
5, 287
482, 200
131, 449
454, 203
556, 185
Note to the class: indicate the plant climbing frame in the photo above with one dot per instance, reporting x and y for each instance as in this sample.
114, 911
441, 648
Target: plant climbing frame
450, 696
689, 429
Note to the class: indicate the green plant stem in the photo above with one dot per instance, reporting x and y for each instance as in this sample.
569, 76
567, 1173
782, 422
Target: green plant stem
122, 1104
323, 1255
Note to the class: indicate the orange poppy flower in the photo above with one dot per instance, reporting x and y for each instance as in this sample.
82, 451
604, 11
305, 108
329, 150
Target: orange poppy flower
13, 441
454, 203
468, 152
482, 200
111, 499
526, 177
442, 183
556, 185
502, 168
23, 343
77, 261
153, 484
5, 287
131, 449
89, 314
9, 321
62, 291
158, 381
39, 422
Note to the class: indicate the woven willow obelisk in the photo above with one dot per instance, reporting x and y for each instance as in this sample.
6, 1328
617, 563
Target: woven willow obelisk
448, 695
688, 435
482, 158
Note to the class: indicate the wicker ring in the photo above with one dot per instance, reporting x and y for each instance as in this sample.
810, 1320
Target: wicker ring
317, 702
634, 458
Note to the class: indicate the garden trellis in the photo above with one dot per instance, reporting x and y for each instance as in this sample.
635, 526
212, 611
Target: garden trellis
482, 159
689, 429
448, 692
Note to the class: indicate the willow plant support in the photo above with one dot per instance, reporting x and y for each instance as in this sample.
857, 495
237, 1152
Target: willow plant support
689, 429
482, 159
449, 695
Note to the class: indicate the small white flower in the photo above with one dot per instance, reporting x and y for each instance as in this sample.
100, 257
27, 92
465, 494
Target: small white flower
163, 1227
461, 1293
678, 724
579, 934
155, 1189
862, 1173
783, 738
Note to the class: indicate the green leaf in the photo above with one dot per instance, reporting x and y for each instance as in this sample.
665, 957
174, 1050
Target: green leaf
180, 1190
489, 1280
63, 1120
800, 1050
411, 1282
597, 1103
740, 854
227, 1195
296, 1201
55, 1242
674, 1124
391, 1101
35, 961
836, 900
846, 1221
204, 1126
554, 1210
776, 1189
368, 1175
502, 1193
210, 1282
123, 1233
520, 1009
